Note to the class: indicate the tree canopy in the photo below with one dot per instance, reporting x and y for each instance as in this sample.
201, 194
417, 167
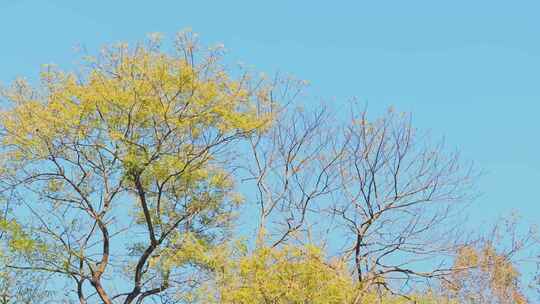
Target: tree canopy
154, 176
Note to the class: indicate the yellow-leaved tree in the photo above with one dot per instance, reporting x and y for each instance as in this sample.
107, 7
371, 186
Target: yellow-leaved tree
125, 162
487, 272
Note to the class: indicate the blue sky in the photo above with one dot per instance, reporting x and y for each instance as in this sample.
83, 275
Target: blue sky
468, 70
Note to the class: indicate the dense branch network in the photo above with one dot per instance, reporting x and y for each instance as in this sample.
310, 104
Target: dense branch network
153, 176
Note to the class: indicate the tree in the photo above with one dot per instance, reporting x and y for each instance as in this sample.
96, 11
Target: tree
297, 274
286, 275
398, 198
485, 277
378, 189
125, 166
486, 271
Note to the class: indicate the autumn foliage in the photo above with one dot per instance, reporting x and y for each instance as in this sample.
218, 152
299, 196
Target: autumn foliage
164, 177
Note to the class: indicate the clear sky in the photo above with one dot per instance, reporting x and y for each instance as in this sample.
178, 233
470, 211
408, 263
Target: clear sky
468, 70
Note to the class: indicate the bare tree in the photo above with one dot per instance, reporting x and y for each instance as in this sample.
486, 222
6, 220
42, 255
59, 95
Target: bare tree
292, 166
378, 189
397, 197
